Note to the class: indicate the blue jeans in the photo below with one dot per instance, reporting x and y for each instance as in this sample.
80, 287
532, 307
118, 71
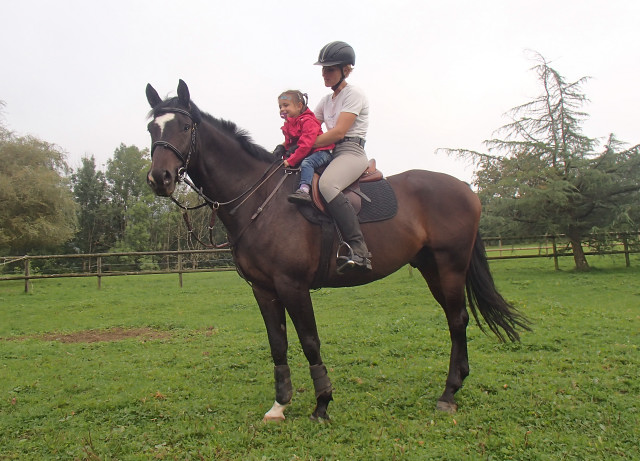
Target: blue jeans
310, 163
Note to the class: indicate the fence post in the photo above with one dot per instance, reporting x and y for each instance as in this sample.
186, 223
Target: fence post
180, 268
99, 271
625, 242
26, 274
555, 253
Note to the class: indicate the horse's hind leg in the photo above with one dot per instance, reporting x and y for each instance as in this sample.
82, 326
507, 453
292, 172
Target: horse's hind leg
447, 286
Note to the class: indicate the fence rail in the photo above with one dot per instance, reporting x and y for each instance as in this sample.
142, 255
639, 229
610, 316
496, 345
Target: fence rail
101, 265
180, 262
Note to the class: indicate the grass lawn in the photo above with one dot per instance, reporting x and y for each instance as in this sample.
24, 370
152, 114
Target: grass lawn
187, 374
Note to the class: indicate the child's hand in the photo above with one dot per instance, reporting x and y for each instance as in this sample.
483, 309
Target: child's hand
286, 164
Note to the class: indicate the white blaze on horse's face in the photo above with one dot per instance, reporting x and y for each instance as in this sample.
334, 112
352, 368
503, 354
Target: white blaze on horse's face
162, 120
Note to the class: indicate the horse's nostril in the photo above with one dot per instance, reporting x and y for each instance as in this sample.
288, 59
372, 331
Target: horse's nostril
168, 178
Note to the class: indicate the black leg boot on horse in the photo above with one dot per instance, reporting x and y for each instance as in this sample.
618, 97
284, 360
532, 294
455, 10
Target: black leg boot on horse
358, 255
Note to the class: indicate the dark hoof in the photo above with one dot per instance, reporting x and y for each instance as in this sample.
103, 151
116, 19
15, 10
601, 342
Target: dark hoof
320, 418
447, 407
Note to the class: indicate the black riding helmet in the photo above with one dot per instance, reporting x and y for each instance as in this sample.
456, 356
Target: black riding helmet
335, 53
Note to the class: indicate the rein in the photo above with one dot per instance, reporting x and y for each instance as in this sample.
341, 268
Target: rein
214, 204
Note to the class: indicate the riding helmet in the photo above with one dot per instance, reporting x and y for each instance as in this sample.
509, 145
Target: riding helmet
335, 53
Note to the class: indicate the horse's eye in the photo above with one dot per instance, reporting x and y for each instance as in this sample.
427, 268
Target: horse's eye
186, 127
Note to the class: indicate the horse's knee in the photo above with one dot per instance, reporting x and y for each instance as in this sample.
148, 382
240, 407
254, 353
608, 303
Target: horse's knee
311, 348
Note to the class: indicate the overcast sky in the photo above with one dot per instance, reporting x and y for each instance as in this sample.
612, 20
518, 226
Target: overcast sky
437, 73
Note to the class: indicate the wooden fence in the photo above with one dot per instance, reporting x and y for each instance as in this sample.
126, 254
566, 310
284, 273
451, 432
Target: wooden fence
101, 265
179, 262
550, 246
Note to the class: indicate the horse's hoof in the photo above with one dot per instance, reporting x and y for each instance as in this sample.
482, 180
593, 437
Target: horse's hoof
275, 414
320, 419
272, 419
447, 407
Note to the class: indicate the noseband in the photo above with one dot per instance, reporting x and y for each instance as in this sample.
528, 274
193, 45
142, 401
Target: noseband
185, 161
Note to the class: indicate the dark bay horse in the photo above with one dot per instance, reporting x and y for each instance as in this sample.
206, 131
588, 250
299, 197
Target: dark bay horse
277, 250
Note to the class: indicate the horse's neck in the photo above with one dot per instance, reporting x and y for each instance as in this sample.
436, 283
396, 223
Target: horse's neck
227, 174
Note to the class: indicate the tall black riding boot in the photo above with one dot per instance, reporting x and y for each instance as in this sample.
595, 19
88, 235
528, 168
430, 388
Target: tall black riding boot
345, 217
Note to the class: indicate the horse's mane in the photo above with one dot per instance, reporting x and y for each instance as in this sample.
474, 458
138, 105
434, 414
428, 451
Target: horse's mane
226, 126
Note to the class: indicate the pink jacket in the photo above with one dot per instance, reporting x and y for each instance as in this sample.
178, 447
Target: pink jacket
303, 131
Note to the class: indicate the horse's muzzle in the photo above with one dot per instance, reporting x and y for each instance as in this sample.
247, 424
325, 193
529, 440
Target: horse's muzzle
161, 181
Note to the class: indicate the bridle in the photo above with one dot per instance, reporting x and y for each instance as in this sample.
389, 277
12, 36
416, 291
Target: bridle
182, 171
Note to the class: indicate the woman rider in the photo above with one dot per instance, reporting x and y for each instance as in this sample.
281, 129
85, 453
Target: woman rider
345, 113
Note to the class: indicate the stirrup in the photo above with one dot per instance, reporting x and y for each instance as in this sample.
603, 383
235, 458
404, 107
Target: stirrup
346, 263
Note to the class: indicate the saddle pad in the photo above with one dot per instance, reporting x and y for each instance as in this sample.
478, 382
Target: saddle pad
383, 205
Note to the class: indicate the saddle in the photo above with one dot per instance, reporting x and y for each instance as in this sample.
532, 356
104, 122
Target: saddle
379, 204
353, 192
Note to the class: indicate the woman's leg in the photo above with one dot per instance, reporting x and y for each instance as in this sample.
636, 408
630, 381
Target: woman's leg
349, 162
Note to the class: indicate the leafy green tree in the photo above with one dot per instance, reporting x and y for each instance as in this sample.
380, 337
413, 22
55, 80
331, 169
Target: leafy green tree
37, 211
543, 175
90, 193
126, 173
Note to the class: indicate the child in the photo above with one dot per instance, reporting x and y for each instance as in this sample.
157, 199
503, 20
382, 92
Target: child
301, 128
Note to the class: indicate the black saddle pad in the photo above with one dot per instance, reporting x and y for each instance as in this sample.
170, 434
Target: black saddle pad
383, 205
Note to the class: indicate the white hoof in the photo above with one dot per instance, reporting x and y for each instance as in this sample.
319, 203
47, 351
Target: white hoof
275, 414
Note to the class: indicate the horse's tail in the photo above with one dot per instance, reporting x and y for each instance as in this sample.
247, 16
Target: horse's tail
483, 296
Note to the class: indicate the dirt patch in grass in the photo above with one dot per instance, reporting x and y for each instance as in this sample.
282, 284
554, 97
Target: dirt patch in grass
94, 336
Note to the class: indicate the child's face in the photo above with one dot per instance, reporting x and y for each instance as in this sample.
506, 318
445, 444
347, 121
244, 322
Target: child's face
288, 108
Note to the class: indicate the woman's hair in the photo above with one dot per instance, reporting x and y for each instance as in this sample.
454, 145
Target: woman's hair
295, 96
347, 69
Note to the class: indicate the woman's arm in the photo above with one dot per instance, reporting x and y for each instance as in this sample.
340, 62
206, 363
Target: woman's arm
335, 134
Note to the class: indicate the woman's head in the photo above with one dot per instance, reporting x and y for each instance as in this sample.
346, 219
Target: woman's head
337, 60
292, 103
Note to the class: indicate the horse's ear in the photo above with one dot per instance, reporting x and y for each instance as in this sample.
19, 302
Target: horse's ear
183, 93
152, 96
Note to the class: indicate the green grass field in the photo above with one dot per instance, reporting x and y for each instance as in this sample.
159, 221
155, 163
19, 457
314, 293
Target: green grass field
195, 378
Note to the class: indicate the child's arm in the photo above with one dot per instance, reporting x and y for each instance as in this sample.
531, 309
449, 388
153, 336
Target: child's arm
309, 132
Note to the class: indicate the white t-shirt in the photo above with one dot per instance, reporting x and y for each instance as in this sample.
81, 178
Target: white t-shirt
351, 99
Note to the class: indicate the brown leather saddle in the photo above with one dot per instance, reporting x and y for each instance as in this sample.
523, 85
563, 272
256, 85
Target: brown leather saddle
352, 192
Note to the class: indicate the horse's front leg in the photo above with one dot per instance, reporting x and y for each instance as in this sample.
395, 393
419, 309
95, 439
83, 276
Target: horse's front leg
273, 313
300, 308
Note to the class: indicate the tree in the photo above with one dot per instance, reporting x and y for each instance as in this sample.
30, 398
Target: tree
90, 193
37, 211
126, 173
543, 175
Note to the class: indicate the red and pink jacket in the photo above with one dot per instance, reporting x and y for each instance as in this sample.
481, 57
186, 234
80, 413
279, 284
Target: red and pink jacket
303, 131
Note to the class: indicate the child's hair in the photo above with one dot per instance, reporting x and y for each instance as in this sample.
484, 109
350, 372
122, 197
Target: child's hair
295, 96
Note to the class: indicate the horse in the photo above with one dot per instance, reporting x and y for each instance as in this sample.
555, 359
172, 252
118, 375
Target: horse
277, 251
